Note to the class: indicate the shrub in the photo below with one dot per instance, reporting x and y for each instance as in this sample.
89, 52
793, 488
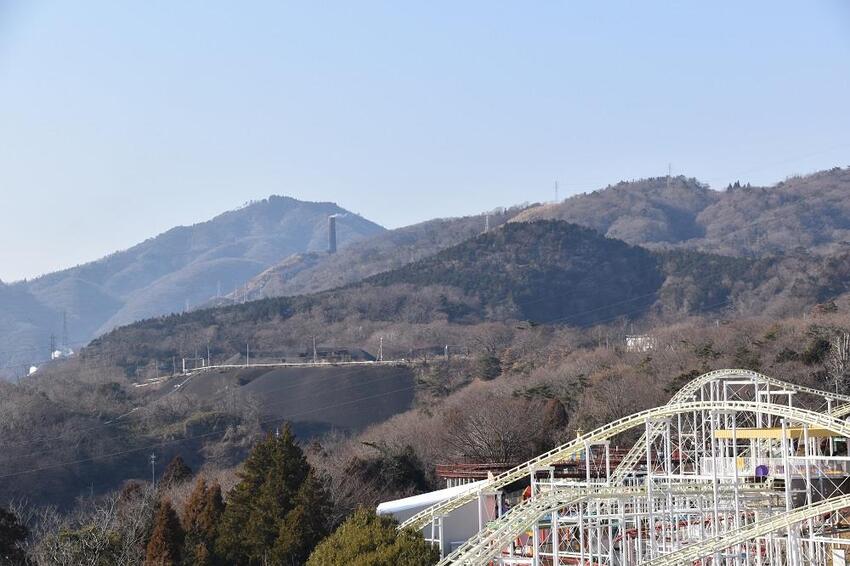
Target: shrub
366, 539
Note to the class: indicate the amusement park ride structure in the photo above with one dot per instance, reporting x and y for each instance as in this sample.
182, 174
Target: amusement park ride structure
738, 468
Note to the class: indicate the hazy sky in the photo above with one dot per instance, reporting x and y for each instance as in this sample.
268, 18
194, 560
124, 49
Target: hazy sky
119, 120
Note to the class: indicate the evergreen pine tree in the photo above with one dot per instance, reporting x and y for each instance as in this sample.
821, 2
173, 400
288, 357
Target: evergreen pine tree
166, 539
305, 526
200, 521
176, 472
259, 503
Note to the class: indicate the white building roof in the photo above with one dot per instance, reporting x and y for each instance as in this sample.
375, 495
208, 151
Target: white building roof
425, 499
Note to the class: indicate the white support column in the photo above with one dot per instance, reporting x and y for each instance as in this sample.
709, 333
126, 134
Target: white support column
736, 489
556, 539
535, 530
789, 543
715, 526
649, 503
623, 529
831, 438
480, 510
734, 458
808, 464
580, 528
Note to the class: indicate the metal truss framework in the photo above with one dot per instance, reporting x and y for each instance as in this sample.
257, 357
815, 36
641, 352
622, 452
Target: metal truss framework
827, 512
734, 458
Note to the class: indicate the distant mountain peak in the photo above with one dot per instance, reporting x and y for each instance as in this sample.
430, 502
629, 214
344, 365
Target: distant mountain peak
804, 210
186, 265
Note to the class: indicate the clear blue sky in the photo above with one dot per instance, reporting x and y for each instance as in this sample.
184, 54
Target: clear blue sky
119, 120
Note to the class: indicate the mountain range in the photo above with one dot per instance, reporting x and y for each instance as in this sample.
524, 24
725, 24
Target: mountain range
811, 212
276, 247
803, 212
179, 269
543, 272
472, 299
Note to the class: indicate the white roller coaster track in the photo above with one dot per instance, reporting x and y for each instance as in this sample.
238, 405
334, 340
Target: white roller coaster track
521, 518
690, 554
841, 411
480, 550
689, 390
676, 405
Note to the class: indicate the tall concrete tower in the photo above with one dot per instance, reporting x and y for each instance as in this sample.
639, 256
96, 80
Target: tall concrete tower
332, 234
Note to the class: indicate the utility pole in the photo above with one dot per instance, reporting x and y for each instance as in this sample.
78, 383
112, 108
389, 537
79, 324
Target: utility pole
247, 354
208, 354
153, 470
381, 350
173, 365
315, 356
486, 222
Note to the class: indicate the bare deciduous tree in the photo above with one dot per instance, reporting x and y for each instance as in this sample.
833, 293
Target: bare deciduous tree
838, 361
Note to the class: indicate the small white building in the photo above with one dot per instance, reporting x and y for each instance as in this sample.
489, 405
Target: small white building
61, 354
640, 343
458, 526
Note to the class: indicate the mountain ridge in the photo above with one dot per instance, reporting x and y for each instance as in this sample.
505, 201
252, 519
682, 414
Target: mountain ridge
542, 272
164, 273
661, 213
311, 273
809, 211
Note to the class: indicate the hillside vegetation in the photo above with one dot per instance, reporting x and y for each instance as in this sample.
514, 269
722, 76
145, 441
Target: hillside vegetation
810, 211
540, 271
275, 248
544, 272
311, 273
184, 266
534, 317
529, 389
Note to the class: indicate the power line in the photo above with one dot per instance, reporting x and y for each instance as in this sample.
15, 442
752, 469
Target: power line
282, 418
116, 421
565, 318
197, 436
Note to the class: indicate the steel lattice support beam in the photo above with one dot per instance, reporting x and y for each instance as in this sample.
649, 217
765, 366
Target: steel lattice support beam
714, 545
619, 426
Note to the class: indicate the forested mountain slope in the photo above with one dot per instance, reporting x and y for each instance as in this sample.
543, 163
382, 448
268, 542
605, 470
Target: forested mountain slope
810, 211
310, 273
515, 298
541, 271
545, 272
186, 265
648, 211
